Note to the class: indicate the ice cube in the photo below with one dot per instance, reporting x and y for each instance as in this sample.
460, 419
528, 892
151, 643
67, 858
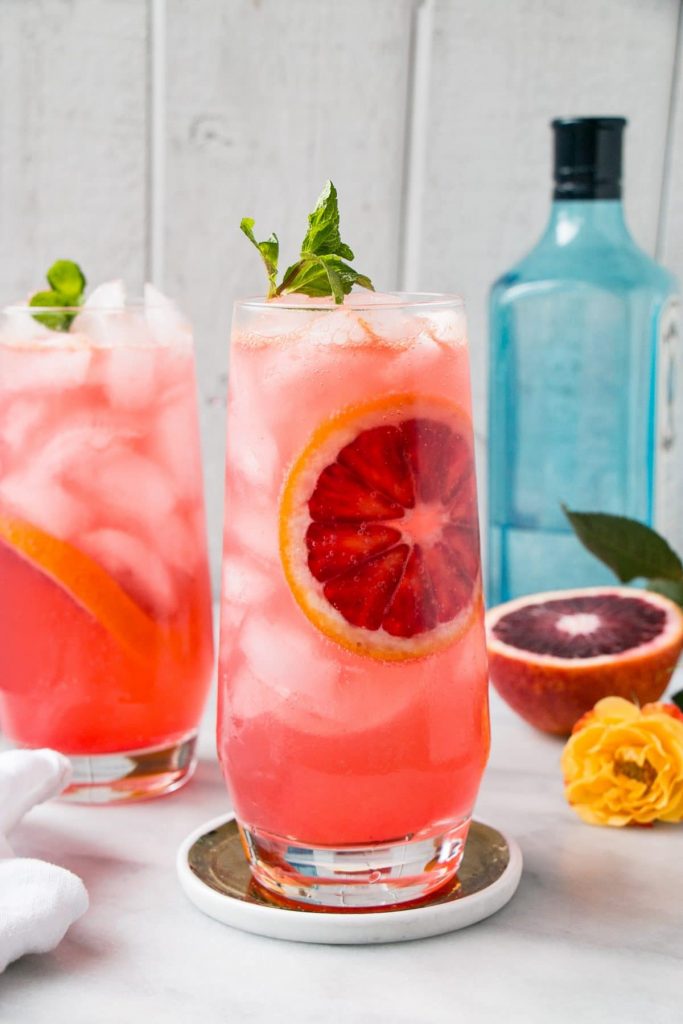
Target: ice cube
255, 457
167, 325
18, 326
245, 583
128, 486
288, 660
179, 542
107, 323
253, 529
232, 617
129, 375
50, 464
247, 697
114, 328
340, 327
134, 565
41, 490
107, 296
446, 325
74, 449
276, 323
174, 442
43, 368
21, 418
394, 328
41, 500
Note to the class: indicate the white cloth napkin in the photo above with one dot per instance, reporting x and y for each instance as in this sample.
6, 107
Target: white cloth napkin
38, 901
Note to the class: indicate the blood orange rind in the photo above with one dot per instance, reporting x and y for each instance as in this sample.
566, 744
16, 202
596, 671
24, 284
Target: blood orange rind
326, 443
86, 582
552, 692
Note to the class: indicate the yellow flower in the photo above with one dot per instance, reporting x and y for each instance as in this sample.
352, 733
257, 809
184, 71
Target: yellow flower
623, 765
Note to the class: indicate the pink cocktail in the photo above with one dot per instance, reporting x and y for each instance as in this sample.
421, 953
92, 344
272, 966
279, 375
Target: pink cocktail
105, 614
353, 723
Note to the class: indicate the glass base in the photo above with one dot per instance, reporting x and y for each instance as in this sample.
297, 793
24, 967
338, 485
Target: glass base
377, 875
131, 775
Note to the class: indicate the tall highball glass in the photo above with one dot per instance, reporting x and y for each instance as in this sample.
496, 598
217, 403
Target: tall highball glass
353, 724
105, 606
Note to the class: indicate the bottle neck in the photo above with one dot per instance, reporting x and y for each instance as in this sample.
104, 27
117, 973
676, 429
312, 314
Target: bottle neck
586, 221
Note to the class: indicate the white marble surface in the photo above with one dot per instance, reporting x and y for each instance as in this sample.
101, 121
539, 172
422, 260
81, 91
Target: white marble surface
594, 934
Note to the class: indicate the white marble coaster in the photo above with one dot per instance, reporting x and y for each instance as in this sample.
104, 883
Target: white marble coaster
215, 876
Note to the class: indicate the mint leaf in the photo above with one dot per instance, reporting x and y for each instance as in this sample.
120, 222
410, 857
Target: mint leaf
67, 282
323, 237
321, 268
320, 276
313, 275
629, 548
269, 249
677, 699
673, 589
55, 321
67, 279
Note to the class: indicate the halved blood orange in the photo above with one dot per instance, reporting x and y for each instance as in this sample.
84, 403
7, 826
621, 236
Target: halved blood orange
378, 527
553, 656
86, 582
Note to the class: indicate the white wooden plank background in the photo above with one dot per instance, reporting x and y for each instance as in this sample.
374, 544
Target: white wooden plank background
670, 247
264, 102
73, 133
134, 134
500, 71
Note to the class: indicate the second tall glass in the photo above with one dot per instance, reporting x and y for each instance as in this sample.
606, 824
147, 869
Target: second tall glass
353, 721
105, 607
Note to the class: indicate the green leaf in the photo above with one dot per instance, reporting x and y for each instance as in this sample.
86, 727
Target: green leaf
312, 275
677, 699
323, 237
67, 282
67, 279
673, 589
320, 269
629, 548
55, 321
269, 249
320, 276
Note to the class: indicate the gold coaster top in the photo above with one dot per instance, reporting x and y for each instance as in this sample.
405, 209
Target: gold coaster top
217, 859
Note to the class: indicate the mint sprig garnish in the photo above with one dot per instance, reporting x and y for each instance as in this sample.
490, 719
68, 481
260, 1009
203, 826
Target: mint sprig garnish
321, 268
270, 251
67, 287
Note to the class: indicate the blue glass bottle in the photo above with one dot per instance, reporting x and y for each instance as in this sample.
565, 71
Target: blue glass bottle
582, 389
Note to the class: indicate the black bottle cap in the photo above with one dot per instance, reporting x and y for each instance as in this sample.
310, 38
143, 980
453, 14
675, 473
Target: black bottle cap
588, 157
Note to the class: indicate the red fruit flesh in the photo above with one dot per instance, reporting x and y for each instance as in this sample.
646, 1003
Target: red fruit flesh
552, 657
394, 533
620, 623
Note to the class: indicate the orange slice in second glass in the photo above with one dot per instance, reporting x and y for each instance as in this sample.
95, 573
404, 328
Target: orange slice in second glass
378, 527
86, 582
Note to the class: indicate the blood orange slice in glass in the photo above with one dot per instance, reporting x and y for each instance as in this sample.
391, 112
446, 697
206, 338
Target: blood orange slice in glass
86, 582
378, 527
